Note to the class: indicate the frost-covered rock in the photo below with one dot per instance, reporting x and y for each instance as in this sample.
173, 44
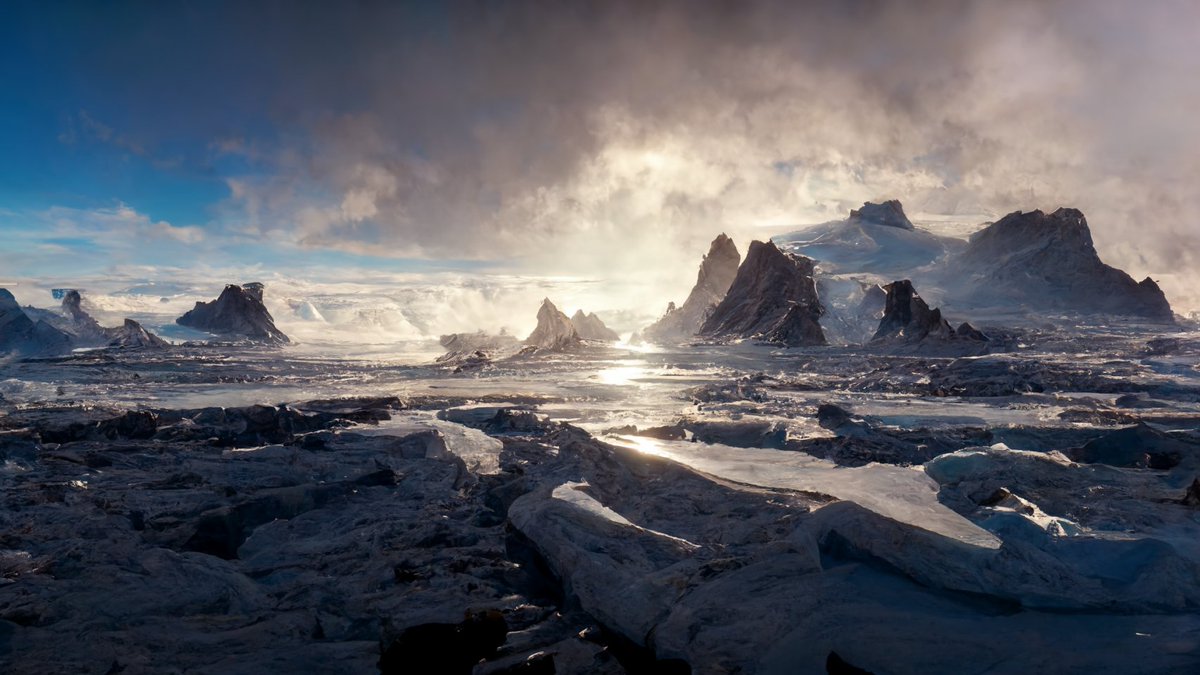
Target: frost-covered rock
717, 271
771, 287
590, 327
21, 335
554, 330
239, 312
1048, 262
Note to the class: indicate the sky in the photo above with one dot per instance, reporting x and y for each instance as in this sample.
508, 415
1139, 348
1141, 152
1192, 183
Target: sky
601, 140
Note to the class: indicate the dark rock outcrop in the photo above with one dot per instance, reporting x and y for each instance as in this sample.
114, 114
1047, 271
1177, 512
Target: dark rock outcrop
772, 292
590, 327
1047, 261
889, 214
554, 330
21, 335
717, 272
1139, 446
908, 319
238, 312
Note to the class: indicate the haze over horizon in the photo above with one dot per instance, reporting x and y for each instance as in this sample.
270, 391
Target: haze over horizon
606, 142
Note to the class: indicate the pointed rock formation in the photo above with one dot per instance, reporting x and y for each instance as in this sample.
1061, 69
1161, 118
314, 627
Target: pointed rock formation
908, 319
773, 291
21, 335
1048, 261
590, 327
238, 312
554, 330
889, 214
717, 271
132, 335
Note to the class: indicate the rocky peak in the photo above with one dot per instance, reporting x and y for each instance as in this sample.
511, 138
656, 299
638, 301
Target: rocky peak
766, 290
1048, 261
132, 335
590, 327
889, 213
554, 330
908, 318
717, 271
238, 312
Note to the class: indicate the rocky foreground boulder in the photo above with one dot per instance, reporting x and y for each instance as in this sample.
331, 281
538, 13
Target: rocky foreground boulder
717, 272
554, 330
908, 319
23, 336
1048, 261
773, 295
239, 312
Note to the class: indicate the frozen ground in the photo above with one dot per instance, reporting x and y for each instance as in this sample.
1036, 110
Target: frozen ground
703, 508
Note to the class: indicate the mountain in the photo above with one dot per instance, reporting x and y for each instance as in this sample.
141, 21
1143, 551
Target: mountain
717, 271
773, 293
590, 327
23, 336
1048, 262
875, 239
554, 330
238, 312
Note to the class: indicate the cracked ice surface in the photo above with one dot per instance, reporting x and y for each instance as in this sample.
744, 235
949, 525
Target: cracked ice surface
903, 494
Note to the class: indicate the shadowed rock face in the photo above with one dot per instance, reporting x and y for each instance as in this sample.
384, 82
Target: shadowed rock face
554, 330
772, 290
590, 327
908, 319
237, 312
889, 213
717, 272
21, 335
1048, 261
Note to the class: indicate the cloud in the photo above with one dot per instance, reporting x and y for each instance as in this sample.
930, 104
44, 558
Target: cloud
615, 139
119, 226
611, 136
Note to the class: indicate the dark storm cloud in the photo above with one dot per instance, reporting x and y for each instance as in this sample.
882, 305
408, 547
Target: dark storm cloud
596, 135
